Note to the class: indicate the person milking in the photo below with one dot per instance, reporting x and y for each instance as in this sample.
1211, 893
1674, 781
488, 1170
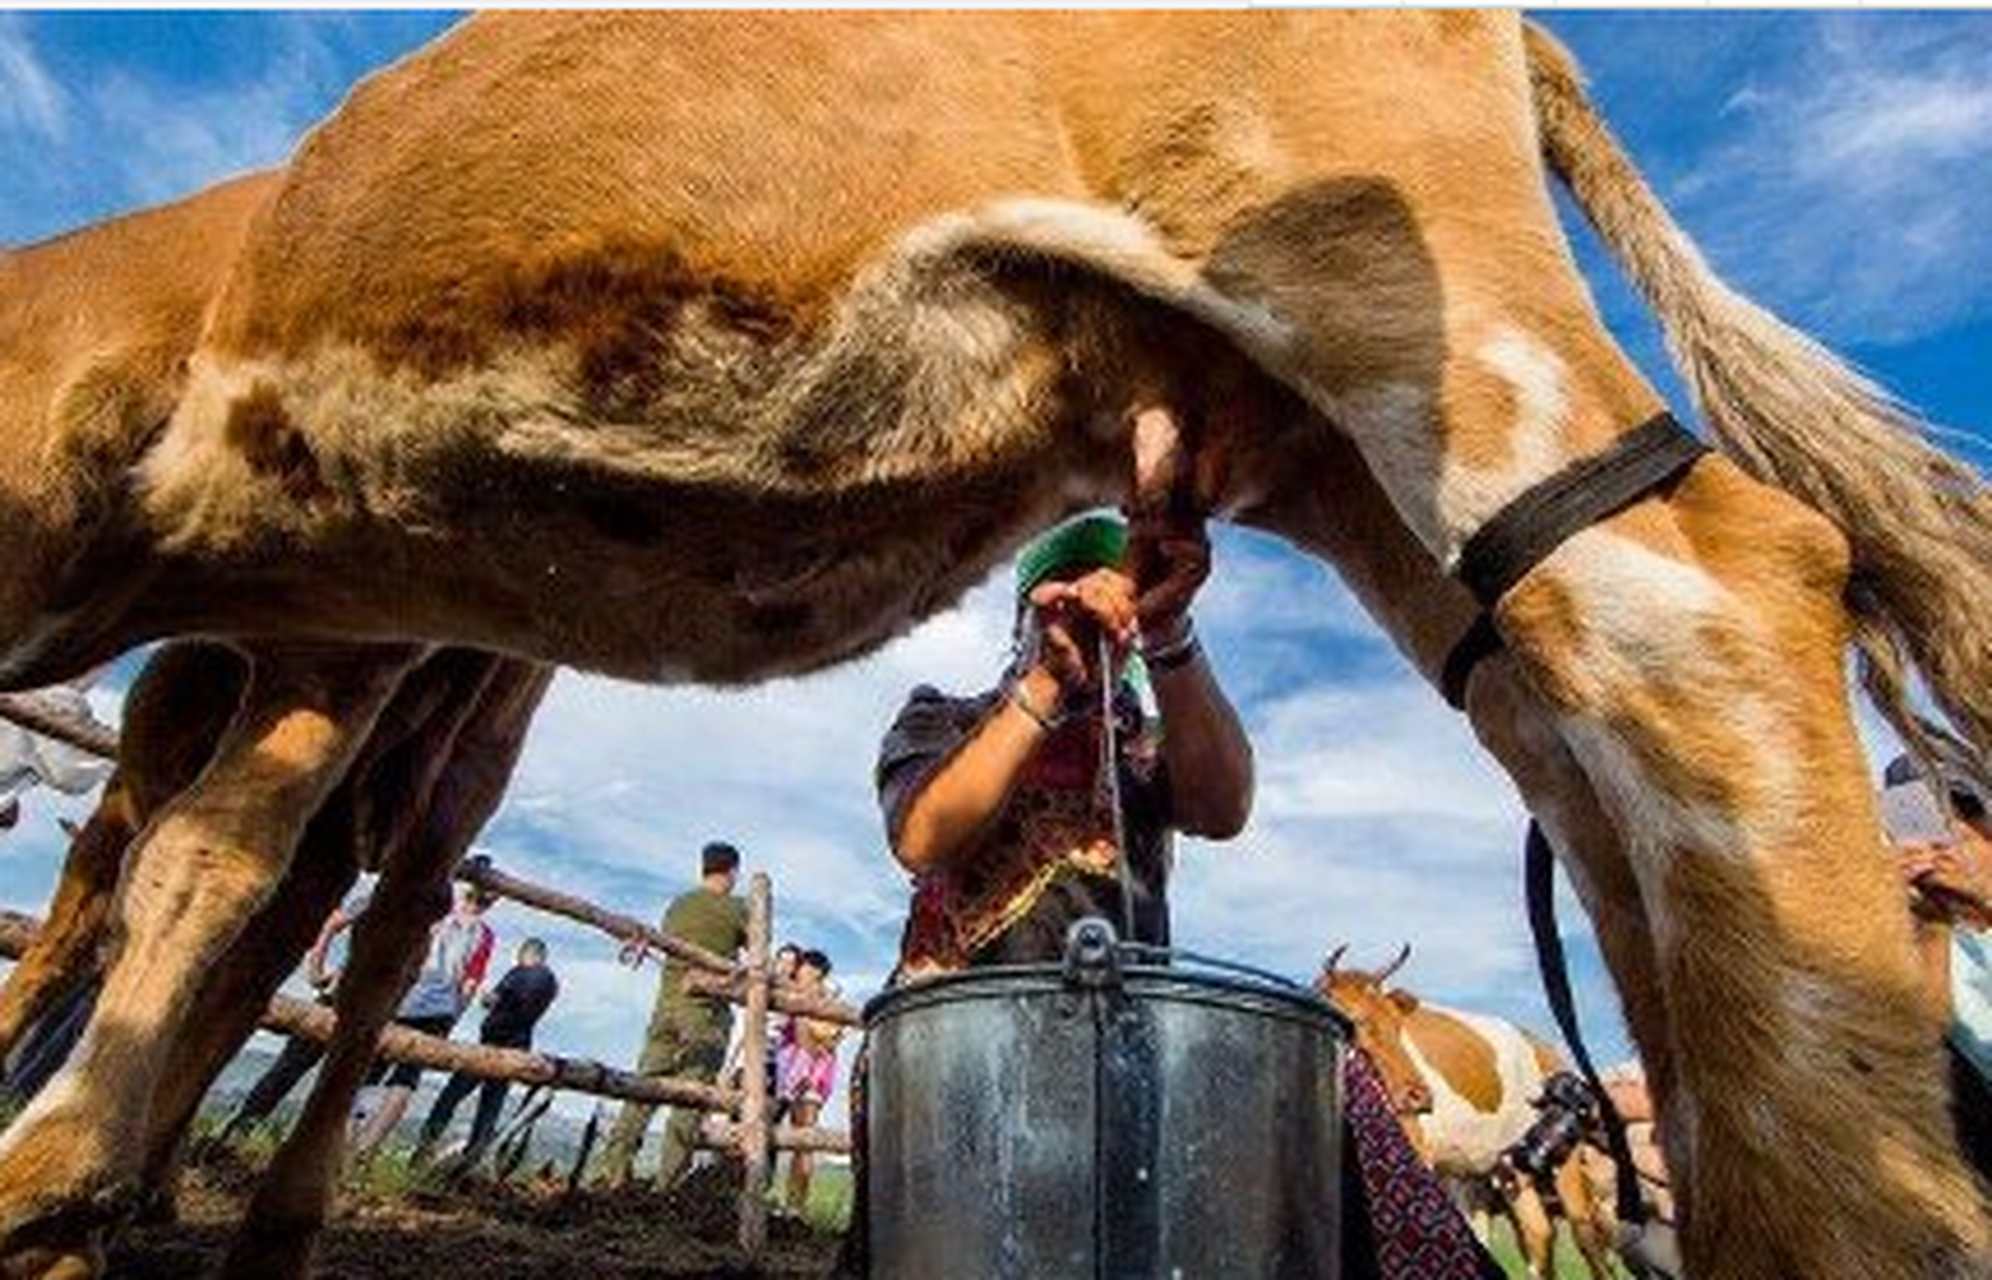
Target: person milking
996, 805
995, 802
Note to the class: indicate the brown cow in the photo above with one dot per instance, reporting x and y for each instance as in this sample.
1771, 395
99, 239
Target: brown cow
1464, 1086
555, 341
133, 295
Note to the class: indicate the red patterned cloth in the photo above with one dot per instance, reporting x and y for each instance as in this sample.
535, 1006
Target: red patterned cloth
1417, 1231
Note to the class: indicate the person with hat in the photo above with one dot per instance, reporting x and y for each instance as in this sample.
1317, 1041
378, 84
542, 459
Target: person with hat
998, 807
688, 1032
997, 804
1945, 859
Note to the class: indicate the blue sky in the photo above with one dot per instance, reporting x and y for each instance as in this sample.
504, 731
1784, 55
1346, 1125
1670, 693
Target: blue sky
1834, 165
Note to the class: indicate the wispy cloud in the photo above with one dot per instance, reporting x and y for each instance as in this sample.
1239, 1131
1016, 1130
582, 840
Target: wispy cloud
1847, 186
30, 100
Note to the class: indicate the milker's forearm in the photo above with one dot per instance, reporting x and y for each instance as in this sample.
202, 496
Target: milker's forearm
1206, 750
971, 789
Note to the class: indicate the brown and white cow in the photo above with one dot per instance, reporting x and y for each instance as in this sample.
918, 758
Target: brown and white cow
717, 347
1464, 1086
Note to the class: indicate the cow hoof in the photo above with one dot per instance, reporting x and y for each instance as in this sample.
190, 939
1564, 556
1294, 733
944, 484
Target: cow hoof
52, 1264
57, 1204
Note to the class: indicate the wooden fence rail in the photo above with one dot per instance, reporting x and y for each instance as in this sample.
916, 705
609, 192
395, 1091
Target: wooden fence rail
712, 975
400, 1044
37, 714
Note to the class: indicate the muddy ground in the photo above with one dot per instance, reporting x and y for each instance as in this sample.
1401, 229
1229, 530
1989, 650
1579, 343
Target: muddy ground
490, 1233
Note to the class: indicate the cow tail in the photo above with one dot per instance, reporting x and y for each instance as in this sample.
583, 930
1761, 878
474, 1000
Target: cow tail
1789, 412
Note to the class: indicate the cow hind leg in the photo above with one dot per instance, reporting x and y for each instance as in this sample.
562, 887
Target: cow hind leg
69, 1164
1689, 650
65, 952
1695, 656
232, 999
175, 713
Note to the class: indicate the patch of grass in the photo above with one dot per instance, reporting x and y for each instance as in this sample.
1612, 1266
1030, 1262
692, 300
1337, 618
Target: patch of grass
1569, 1262
830, 1195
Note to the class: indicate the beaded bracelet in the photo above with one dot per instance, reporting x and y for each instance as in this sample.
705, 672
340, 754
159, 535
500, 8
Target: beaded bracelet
1023, 704
1175, 650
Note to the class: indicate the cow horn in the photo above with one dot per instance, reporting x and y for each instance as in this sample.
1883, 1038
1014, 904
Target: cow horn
1334, 958
1403, 954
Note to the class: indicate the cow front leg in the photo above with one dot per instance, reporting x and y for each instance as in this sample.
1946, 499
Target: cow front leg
69, 1164
279, 1231
448, 780
232, 999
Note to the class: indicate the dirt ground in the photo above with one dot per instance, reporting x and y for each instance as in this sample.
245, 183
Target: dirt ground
491, 1234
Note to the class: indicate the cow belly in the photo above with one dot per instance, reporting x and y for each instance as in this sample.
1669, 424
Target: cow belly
1465, 1142
1465, 1139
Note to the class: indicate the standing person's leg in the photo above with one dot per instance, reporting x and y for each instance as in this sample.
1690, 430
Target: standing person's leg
801, 1163
50, 1039
390, 1106
445, 1108
484, 1127
298, 1057
402, 1082
702, 1037
660, 1050
625, 1141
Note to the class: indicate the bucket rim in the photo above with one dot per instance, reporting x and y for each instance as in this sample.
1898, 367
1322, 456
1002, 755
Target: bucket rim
1178, 980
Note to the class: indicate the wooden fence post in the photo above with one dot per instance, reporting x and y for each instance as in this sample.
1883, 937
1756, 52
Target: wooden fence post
753, 1131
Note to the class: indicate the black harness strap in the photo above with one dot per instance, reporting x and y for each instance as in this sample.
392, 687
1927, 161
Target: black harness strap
1539, 870
1480, 641
1522, 534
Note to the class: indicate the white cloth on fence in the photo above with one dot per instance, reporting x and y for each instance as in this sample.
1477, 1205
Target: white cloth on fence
28, 760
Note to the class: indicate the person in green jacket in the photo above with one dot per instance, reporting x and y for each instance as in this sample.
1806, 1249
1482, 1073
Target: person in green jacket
688, 1033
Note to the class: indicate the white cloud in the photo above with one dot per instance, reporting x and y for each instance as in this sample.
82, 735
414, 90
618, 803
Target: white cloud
30, 100
1847, 184
188, 138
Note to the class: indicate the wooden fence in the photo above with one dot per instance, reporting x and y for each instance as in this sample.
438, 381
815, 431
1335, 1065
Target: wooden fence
748, 982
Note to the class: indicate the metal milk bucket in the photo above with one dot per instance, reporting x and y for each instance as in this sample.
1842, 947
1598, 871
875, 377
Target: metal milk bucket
1104, 1119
